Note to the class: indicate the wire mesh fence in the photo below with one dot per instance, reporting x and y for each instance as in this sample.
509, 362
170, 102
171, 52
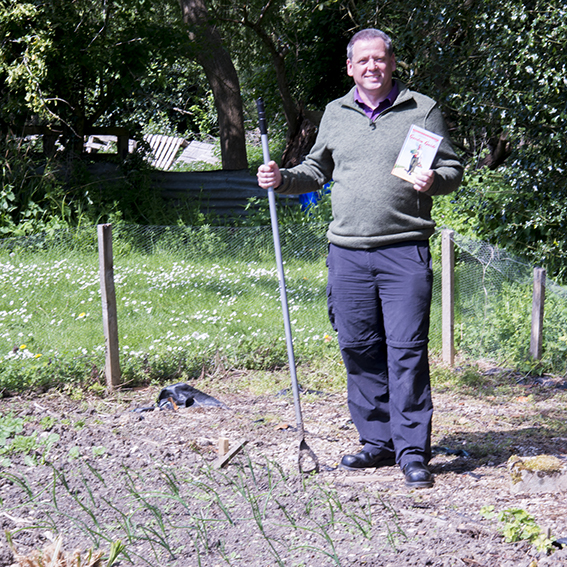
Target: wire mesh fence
185, 292
493, 307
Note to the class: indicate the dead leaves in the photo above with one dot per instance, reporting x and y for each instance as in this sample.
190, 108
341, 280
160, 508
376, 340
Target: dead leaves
53, 555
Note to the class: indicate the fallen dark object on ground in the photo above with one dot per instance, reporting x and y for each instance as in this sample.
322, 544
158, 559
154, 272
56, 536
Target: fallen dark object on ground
184, 396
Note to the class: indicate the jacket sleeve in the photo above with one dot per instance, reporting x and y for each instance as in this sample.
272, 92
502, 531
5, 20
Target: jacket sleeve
447, 166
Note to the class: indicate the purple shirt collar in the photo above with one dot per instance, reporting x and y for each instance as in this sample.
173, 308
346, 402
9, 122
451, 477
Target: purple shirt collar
386, 103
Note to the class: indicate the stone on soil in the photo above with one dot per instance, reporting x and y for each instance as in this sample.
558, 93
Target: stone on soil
534, 475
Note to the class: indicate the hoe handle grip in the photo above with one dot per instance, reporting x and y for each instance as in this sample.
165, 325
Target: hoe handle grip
261, 116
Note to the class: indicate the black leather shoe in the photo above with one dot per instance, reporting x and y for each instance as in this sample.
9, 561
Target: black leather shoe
417, 475
366, 460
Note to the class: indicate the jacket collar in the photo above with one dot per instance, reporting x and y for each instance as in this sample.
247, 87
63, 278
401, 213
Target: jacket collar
404, 95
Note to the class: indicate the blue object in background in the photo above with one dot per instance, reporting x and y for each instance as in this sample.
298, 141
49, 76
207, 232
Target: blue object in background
311, 199
308, 199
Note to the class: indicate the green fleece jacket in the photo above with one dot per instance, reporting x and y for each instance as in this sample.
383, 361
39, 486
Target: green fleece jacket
372, 207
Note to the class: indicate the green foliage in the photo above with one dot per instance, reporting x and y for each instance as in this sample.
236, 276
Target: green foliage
42, 373
471, 210
493, 315
520, 526
202, 297
188, 298
498, 70
31, 200
9, 426
77, 62
34, 447
465, 379
277, 146
44, 196
74, 453
311, 39
488, 206
506, 313
47, 422
205, 115
98, 451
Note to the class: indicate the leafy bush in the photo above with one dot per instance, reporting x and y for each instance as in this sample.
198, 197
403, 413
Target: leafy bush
488, 207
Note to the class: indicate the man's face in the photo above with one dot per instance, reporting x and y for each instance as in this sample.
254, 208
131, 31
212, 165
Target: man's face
371, 68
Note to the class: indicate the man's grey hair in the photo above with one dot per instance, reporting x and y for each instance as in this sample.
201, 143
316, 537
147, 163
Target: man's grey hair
366, 34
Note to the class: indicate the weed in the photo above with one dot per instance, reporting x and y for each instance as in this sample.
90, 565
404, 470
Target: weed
74, 453
9, 426
98, 451
35, 447
97, 389
47, 422
520, 526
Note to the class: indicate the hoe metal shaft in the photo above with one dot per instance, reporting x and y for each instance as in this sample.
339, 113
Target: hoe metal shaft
303, 448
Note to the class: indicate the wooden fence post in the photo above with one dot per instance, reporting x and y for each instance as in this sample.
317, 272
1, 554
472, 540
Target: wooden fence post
538, 301
109, 314
448, 296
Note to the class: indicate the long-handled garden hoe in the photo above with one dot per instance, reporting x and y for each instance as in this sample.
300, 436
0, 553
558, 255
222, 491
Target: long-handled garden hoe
304, 449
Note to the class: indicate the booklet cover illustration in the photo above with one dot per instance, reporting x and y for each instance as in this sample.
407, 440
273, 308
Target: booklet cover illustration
417, 153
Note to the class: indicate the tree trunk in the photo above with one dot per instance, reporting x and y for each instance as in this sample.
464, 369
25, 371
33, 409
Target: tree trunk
290, 108
222, 77
301, 129
299, 144
499, 150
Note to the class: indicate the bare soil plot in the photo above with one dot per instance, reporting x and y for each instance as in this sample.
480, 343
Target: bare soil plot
148, 480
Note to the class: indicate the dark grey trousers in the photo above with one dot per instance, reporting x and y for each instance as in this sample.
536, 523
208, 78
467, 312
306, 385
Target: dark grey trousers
379, 302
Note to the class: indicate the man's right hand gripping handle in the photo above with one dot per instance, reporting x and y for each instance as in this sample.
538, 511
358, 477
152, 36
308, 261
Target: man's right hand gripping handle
269, 175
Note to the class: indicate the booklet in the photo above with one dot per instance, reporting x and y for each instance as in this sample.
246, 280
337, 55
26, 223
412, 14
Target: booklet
417, 153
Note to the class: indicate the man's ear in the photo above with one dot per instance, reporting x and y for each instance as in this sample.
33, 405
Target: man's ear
349, 69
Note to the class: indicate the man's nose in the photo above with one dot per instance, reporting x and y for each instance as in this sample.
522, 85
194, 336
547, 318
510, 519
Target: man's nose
371, 64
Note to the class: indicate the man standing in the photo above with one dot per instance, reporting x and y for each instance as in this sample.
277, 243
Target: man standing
380, 276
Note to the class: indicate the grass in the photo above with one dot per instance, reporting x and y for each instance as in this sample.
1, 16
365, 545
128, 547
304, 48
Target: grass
194, 298
176, 312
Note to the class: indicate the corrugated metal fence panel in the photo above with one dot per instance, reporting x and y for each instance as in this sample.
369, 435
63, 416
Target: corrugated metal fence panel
224, 193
